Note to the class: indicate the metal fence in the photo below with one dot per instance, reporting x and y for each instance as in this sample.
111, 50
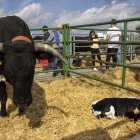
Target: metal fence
124, 43
67, 43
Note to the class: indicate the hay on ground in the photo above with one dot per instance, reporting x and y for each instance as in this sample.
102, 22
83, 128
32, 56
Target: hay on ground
115, 75
61, 111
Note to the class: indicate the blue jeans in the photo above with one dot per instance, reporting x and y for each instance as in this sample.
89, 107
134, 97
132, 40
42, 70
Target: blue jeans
56, 63
53, 65
119, 55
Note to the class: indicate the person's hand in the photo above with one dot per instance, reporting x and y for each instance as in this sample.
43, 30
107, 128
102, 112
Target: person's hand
106, 46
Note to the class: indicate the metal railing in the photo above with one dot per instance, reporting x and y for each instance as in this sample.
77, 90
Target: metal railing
67, 43
125, 42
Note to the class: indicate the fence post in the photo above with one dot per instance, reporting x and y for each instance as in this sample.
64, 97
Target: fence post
66, 49
124, 55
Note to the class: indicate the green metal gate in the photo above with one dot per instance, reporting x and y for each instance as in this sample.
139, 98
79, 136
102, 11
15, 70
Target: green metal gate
67, 43
125, 42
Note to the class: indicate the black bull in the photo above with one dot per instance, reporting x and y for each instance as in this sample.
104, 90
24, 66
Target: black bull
18, 52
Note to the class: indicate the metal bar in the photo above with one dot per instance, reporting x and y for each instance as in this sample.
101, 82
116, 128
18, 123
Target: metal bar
114, 64
96, 29
74, 56
109, 42
130, 47
106, 82
124, 55
99, 42
95, 24
75, 68
133, 30
48, 71
37, 29
105, 23
66, 49
45, 42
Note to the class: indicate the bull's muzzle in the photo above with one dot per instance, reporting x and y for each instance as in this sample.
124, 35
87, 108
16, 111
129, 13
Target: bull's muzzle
22, 103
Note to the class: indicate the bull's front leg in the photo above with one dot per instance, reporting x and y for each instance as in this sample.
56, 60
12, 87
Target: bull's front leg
3, 99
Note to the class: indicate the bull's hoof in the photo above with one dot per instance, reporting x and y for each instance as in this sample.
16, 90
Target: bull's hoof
3, 114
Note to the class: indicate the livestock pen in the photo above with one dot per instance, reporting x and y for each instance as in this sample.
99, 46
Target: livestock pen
61, 107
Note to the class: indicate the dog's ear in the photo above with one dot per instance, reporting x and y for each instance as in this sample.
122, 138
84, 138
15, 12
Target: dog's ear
136, 110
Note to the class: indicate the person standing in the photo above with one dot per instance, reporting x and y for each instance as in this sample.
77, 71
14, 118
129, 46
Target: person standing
113, 34
43, 56
94, 48
58, 38
51, 39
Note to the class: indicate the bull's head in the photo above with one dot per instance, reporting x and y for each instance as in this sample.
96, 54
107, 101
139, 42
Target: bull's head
19, 67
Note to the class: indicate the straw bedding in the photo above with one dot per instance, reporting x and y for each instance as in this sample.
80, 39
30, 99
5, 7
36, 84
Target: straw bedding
115, 75
61, 111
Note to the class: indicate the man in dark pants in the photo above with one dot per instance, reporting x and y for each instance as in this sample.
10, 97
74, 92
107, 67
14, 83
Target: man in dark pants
113, 35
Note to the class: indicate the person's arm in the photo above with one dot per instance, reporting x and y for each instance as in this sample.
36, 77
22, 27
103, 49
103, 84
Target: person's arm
50, 38
107, 37
121, 37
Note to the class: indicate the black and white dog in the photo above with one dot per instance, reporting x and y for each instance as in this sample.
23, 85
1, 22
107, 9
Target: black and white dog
114, 107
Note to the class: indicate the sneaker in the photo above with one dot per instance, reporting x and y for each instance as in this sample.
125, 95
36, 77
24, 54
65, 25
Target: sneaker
95, 69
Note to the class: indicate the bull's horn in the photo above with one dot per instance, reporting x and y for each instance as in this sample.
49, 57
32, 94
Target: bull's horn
1, 47
46, 48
